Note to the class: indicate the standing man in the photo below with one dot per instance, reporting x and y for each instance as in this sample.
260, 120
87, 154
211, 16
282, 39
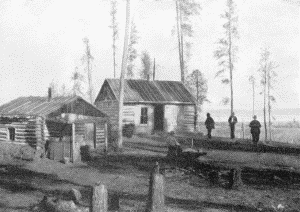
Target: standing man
255, 129
232, 121
210, 124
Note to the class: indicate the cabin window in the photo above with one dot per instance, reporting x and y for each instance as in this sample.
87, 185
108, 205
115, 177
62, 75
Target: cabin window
144, 115
11, 133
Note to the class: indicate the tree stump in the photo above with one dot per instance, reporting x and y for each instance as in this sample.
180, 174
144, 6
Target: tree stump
235, 180
99, 198
156, 200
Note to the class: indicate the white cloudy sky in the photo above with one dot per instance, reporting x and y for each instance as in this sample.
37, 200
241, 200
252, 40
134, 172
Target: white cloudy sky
41, 41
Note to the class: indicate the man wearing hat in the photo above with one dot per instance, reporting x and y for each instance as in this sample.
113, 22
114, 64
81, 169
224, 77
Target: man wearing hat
255, 129
232, 121
210, 124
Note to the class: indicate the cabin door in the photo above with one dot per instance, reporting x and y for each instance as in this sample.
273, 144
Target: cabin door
90, 135
159, 115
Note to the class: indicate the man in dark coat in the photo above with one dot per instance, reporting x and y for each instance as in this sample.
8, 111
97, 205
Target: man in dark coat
210, 124
255, 129
232, 121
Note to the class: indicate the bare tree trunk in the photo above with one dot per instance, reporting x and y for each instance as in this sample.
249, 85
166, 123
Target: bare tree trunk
90, 81
114, 27
197, 100
230, 66
114, 54
124, 66
253, 97
180, 39
265, 118
269, 105
182, 56
153, 69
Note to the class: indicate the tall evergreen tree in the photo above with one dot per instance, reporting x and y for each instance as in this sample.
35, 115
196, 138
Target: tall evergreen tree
132, 52
252, 81
227, 49
115, 31
77, 79
88, 58
197, 84
268, 75
146, 66
185, 9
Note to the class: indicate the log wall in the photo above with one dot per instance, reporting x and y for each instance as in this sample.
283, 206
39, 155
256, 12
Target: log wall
28, 131
179, 118
111, 109
132, 114
100, 134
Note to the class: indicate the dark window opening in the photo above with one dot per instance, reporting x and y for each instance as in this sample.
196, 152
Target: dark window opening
12, 133
144, 115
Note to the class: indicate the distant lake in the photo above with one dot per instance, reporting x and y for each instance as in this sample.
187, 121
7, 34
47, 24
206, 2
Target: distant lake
278, 115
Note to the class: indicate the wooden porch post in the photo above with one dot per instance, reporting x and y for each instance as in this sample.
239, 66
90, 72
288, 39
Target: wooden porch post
95, 135
73, 143
105, 137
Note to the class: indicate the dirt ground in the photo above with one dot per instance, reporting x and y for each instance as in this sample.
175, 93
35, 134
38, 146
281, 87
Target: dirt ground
24, 184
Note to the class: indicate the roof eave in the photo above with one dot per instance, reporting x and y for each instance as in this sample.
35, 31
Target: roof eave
161, 102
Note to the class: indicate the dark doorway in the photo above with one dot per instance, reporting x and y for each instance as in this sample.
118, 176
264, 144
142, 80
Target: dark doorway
159, 115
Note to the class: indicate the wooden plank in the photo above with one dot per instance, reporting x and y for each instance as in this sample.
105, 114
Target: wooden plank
23, 130
28, 139
22, 126
26, 133
73, 142
28, 136
100, 135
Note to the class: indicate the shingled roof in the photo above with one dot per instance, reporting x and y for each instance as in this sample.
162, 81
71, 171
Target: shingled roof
144, 91
35, 105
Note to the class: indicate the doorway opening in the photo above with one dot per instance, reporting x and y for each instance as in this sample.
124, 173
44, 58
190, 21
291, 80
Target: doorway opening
159, 115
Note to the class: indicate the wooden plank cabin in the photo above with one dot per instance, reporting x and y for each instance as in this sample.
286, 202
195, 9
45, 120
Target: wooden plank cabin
150, 105
30, 126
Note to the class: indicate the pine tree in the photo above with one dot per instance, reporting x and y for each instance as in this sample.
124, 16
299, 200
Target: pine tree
115, 31
77, 79
88, 58
146, 66
227, 49
185, 9
132, 52
197, 84
268, 75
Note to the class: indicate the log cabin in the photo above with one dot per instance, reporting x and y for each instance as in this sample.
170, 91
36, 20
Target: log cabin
32, 126
150, 105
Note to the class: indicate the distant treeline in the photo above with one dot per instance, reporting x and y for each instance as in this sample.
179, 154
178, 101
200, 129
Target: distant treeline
288, 124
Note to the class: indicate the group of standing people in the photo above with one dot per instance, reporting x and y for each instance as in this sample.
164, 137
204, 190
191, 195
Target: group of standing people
232, 120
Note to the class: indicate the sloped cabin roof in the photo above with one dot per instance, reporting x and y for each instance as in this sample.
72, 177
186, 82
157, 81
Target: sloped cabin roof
41, 106
144, 91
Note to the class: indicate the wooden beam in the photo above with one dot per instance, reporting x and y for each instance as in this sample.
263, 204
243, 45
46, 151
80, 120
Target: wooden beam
73, 143
106, 137
95, 135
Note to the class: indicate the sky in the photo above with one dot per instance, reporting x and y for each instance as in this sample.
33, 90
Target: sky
41, 41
